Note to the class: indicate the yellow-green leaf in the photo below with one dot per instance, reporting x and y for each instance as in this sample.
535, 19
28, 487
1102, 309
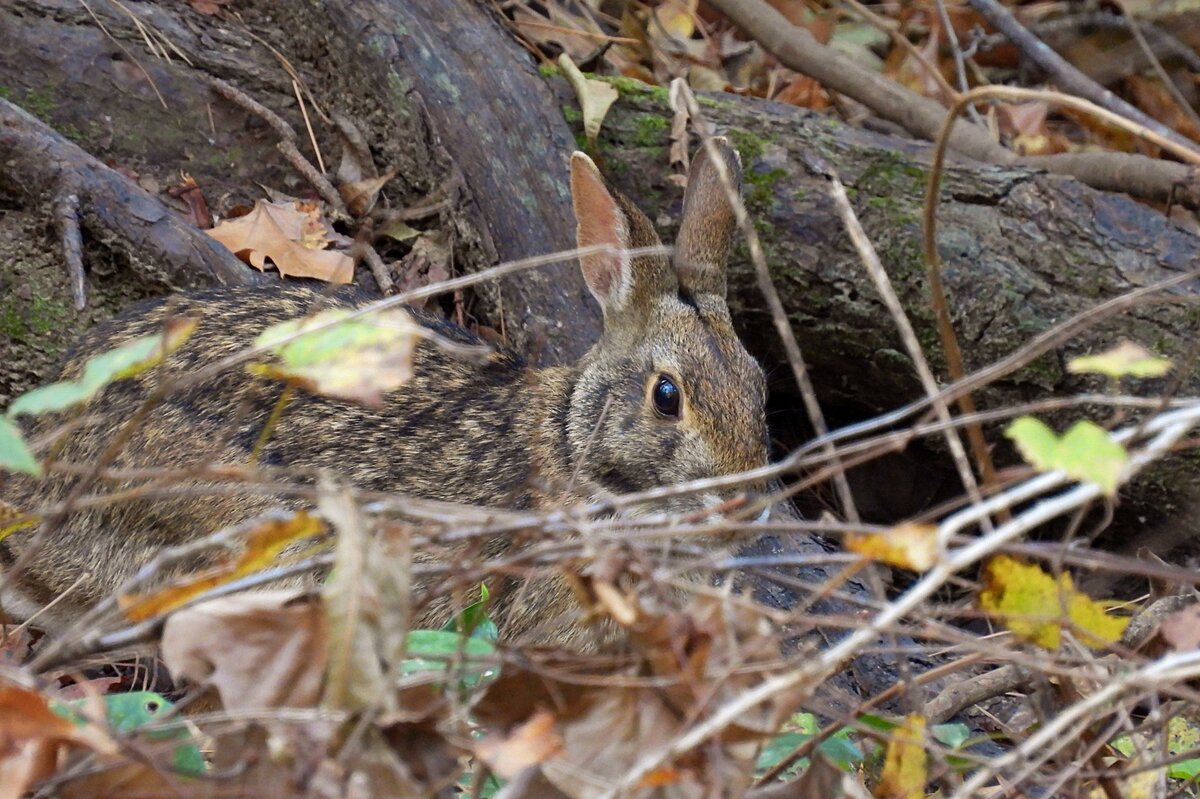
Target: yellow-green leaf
127, 360
904, 768
263, 545
1127, 359
14, 454
1035, 605
358, 358
908, 546
1085, 452
595, 97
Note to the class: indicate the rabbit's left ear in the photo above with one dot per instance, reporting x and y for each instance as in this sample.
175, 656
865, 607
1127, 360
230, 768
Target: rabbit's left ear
618, 281
706, 231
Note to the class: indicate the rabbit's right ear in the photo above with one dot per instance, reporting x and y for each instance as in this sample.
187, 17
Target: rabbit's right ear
599, 220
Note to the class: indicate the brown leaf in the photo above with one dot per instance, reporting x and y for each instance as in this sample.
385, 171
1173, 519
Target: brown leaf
258, 650
360, 195
1181, 629
31, 735
529, 744
293, 238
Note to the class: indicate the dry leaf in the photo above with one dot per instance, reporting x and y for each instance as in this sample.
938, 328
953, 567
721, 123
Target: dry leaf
904, 769
292, 237
263, 544
595, 97
258, 650
1036, 606
360, 195
1181, 629
908, 545
529, 744
343, 353
31, 735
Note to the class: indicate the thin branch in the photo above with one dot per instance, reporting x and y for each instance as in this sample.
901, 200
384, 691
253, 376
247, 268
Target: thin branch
1070, 79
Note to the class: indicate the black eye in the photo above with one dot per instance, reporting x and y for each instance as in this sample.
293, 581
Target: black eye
666, 397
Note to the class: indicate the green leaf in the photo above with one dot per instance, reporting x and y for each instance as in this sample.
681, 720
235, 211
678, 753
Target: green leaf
341, 355
474, 621
1085, 452
128, 713
129, 359
437, 650
1127, 359
14, 453
950, 735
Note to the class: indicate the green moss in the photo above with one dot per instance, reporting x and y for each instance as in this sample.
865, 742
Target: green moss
39, 102
21, 321
649, 130
760, 188
548, 70
572, 114
749, 146
631, 86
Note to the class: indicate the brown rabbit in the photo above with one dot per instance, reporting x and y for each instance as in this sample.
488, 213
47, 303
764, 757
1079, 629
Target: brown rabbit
668, 394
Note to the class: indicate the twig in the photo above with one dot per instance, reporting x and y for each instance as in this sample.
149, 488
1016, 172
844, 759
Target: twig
1180, 101
1169, 427
362, 249
765, 285
798, 50
1052, 736
960, 68
954, 359
66, 212
287, 143
1070, 79
908, 336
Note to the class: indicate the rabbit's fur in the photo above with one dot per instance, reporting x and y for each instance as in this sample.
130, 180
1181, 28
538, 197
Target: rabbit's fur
493, 432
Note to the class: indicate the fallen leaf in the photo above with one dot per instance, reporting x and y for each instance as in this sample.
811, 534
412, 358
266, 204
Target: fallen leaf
285, 233
595, 97
908, 546
529, 744
1181, 629
258, 650
360, 195
1035, 605
904, 768
263, 544
31, 736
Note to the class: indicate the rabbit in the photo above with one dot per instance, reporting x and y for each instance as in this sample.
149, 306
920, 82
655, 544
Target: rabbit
666, 395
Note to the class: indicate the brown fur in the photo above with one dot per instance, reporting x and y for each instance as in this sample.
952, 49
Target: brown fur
495, 433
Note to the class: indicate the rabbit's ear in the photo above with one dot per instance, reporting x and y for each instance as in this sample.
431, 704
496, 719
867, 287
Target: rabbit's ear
706, 231
616, 279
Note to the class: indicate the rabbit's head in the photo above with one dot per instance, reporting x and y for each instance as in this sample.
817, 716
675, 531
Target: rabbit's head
668, 394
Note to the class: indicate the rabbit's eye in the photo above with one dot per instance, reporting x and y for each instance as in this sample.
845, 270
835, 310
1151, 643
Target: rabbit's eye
666, 397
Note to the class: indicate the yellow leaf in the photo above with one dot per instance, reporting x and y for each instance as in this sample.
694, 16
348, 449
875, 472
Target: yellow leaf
908, 546
263, 545
343, 354
1127, 359
1035, 605
904, 773
595, 97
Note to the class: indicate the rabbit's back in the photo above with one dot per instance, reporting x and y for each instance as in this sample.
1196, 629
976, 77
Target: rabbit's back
458, 430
